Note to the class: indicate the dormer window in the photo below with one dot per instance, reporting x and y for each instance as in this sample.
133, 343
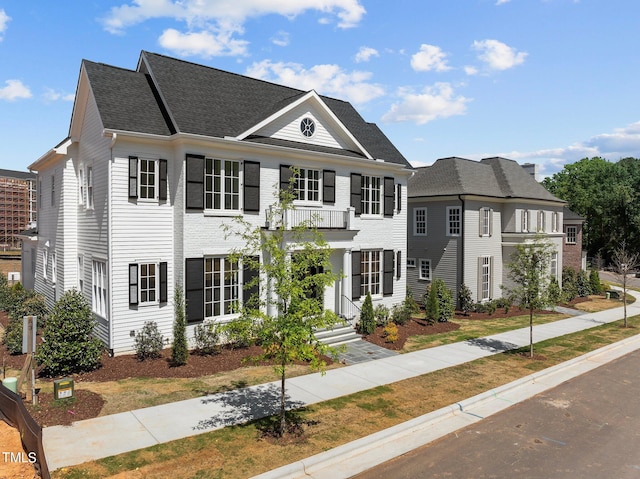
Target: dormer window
307, 127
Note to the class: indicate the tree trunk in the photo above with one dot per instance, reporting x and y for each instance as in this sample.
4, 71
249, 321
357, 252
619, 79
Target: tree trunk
531, 333
624, 298
283, 410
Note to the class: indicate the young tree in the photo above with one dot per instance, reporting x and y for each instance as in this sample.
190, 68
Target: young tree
464, 299
624, 261
530, 272
287, 307
367, 323
179, 348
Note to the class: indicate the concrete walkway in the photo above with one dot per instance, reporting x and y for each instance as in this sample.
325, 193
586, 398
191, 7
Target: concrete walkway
109, 435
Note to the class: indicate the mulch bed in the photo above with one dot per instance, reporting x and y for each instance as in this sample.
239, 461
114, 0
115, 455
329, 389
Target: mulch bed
413, 327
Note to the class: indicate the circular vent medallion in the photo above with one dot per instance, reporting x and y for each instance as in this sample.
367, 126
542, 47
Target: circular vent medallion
307, 127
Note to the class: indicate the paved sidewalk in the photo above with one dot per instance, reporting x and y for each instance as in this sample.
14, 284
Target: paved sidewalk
109, 435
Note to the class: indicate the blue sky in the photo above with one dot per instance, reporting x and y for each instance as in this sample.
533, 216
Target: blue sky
541, 81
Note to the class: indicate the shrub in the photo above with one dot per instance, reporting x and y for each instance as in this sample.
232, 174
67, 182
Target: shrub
239, 332
431, 304
5, 293
367, 323
148, 342
410, 303
491, 306
23, 303
464, 299
179, 349
400, 314
446, 306
594, 282
68, 343
381, 313
554, 292
207, 337
390, 333
569, 284
13, 336
583, 285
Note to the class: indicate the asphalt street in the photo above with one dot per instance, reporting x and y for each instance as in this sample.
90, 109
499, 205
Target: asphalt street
587, 428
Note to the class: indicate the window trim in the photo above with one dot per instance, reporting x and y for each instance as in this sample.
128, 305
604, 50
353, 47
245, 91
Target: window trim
45, 263
421, 262
81, 186
542, 221
236, 287
525, 221
574, 234
89, 187
80, 272
553, 265
555, 224
416, 212
371, 278
371, 196
99, 288
209, 195
486, 222
485, 262
411, 262
305, 190
449, 224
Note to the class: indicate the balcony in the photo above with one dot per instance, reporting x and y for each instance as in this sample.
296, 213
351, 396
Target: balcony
320, 218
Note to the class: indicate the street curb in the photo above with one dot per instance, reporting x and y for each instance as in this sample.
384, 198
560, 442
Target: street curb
357, 456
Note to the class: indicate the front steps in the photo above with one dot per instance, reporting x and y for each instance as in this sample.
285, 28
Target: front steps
340, 334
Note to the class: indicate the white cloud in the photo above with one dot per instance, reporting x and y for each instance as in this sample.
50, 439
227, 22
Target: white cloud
365, 54
14, 90
206, 44
437, 101
430, 57
4, 20
497, 55
281, 39
53, 95
502, 2
328, 80
212, 24
470, 70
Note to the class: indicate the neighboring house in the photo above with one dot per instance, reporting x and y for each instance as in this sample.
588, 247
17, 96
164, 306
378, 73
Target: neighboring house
17, 206
465, 219
573, 256
158, 159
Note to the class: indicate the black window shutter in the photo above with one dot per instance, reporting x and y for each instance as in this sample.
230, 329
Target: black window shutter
251, 201
356, 193
398, 264
163, 282
387, 282
249, 274
133, 177
195, 182
328, 186
389, 196
399, 200
194, 289
285, 176
355, 275
162, 193
133, 283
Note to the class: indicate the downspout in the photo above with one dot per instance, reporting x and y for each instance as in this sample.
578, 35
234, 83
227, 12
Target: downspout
114, 138
462, 233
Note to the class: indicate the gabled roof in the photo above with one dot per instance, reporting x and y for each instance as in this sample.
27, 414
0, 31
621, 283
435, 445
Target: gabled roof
21, 175
166, 95
568, 215
492, 177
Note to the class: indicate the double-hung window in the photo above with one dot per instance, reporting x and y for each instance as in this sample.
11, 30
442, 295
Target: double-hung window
371, 195
89, 187
572, 232
485, 278
485, 221
45, 262
99, 281
454, 221
554, 265
370, 272
542, 221
80, 273
81, 186
424, 271
221, 286
221, 184
420, 222
148, 179
307, 185
147, 283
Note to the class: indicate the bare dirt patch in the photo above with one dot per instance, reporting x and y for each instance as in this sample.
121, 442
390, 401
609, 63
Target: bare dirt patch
14, 463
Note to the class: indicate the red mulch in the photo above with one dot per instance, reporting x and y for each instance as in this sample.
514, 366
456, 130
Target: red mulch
413, 327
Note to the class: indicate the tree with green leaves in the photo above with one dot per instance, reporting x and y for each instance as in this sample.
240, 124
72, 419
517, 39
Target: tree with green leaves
179, 348
367, 324
530, 273
294, 271
594, 282
68, 344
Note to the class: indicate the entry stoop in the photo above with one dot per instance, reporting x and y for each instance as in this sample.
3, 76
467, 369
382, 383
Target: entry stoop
340, 334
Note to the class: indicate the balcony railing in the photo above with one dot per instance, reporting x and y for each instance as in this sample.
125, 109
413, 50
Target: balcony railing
317, 217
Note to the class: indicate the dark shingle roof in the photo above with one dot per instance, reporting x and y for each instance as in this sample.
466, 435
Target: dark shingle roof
126, 100
493, 177
23, 175
567, 214
166, 95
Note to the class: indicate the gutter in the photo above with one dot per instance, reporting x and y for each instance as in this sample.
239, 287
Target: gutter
463, 232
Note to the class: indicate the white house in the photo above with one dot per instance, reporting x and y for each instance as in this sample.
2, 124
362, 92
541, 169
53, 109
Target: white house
157, 159
465, 219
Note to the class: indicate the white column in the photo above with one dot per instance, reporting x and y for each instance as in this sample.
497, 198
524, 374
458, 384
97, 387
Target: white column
346, 283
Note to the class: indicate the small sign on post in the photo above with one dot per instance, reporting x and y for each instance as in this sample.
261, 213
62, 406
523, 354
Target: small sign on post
63, 388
